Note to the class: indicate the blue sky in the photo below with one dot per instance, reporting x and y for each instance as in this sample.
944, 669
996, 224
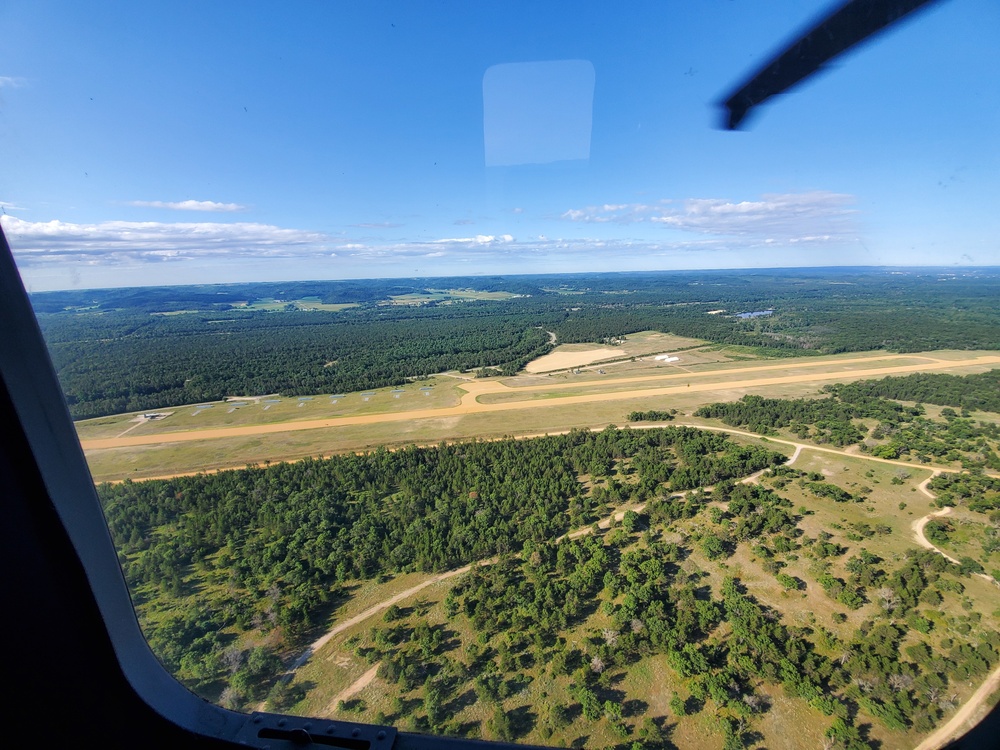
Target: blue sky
209, 142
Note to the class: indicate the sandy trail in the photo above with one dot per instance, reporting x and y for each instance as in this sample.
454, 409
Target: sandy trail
920, 523
755, 477
340, 627
527, 436
470, 405
356, 687
974, 709
966, 717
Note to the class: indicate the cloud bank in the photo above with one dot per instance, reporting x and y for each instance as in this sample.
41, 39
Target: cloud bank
813, 216
190, 205
115, 242
792, 229
479, 239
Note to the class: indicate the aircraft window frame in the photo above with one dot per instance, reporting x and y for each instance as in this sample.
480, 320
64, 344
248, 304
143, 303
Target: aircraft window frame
27, 372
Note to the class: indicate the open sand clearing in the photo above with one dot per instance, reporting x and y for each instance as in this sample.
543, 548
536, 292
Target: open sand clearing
732, 379
566, 359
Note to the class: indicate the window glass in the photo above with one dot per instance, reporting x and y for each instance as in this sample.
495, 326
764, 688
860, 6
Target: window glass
454, 367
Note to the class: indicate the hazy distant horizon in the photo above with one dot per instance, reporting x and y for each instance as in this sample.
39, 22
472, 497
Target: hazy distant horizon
954, 270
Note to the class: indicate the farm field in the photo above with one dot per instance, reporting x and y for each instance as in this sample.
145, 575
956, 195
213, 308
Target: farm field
447, 296
449, 407
306, 304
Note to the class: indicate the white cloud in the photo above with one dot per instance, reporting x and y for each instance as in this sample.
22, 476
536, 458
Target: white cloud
479, 239
377, 225
116, 242
12, 82
817, 216
190, 205
57, 254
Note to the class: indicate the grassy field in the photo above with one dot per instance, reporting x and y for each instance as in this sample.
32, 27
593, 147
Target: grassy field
549, 412
437, 392
305, 303
970, 535
447, 296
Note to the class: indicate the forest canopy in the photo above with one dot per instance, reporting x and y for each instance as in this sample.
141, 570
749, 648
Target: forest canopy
121, 350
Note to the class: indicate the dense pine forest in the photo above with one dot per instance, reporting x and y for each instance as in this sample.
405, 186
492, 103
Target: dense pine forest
134, 349
971, 392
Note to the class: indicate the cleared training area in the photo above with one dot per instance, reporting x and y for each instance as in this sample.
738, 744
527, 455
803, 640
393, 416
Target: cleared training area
484, 396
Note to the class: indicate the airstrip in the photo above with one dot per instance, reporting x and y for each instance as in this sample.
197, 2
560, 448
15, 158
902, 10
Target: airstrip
452, 406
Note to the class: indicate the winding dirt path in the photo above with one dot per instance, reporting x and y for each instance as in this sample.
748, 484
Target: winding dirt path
973, 710
920, 523
340, 627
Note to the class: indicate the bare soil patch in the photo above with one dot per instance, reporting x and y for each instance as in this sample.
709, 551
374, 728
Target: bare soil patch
356, 687
562, 358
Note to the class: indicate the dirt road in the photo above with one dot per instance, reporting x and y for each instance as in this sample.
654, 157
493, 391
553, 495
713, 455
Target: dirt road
966, 717
470, 404
970, 713
920, 523
354, 688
